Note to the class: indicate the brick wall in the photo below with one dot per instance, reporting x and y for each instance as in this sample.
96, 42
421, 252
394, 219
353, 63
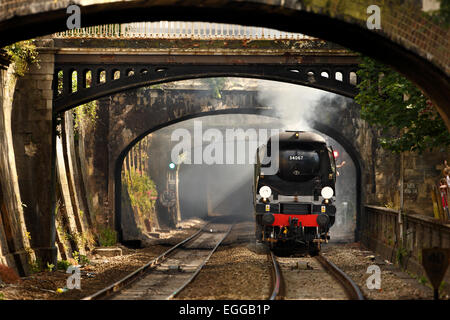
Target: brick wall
403, 23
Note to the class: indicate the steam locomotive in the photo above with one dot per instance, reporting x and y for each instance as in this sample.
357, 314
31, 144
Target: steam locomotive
294, 203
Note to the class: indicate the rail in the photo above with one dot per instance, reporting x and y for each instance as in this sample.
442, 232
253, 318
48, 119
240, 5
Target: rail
352, 289
138, 274
277, 278
180, 30
200, 267
132, 277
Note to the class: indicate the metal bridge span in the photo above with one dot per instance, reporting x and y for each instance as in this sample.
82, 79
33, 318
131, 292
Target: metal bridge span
99, 61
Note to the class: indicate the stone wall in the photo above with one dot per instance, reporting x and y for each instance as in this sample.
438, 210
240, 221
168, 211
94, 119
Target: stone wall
32, 130
132, 114
401, 240
54, 214
410, 38
14, 243
382, 169
400, 22
85, 167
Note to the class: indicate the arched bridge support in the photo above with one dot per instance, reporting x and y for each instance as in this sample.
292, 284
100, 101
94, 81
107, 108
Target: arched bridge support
409, 41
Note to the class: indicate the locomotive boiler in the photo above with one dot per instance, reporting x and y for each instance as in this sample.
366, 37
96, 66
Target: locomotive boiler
294, 204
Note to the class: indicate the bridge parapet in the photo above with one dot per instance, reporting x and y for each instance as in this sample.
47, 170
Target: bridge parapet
179, 30
87, 69
403, 244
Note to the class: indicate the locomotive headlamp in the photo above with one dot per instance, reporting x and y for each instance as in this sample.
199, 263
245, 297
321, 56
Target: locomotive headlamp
265, 192
327, 192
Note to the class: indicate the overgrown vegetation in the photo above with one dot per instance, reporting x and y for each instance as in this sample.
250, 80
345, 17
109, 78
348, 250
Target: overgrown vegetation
80, 258
50, 267
442, 16
402, 256
407, 119
141, 189
216, 85
423, 280
62, 265
84, 113
107, 237
35, 265
23, 55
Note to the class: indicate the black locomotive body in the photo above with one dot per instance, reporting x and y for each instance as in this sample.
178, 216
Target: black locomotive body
294, 191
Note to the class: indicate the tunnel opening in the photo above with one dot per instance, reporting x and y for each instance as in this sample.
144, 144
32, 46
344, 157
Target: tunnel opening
201, 199
433, 80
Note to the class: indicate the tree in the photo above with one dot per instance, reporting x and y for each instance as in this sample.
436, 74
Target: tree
442, 16
407, 119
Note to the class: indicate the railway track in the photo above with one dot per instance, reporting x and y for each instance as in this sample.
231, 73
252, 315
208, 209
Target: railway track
351, 288
318, 278
277, 278
165, 276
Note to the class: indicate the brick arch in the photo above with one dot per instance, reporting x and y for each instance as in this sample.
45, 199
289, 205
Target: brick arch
407, 39
318, 126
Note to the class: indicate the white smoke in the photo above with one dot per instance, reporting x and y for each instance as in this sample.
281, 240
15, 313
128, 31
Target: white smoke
297, 106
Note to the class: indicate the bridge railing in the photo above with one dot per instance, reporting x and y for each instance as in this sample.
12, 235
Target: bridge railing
179, 30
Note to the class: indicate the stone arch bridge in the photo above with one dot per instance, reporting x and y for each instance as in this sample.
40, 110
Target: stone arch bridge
83, 73
406, 38
88, 69
147, 110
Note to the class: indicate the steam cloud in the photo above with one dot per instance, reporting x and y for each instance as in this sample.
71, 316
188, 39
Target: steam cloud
226, 189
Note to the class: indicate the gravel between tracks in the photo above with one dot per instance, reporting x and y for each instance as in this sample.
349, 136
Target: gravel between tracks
234, 272
105, 271
306, 279
395, 284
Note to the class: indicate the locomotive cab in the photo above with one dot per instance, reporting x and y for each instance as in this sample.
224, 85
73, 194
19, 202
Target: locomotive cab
294, 205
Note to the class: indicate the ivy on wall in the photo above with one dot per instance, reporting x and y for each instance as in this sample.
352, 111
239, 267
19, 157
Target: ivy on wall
142, 192
23, 55
442, 16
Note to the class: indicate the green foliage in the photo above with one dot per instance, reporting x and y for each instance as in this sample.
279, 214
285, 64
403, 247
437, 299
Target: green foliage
107, 237
140, 189
85, 112
50, 267
402, 254
216, 85
80, 258
442, 286
423, 280
35, 265
2, 296
442, 16
23, 55
407, 119
84, 239
62, 265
